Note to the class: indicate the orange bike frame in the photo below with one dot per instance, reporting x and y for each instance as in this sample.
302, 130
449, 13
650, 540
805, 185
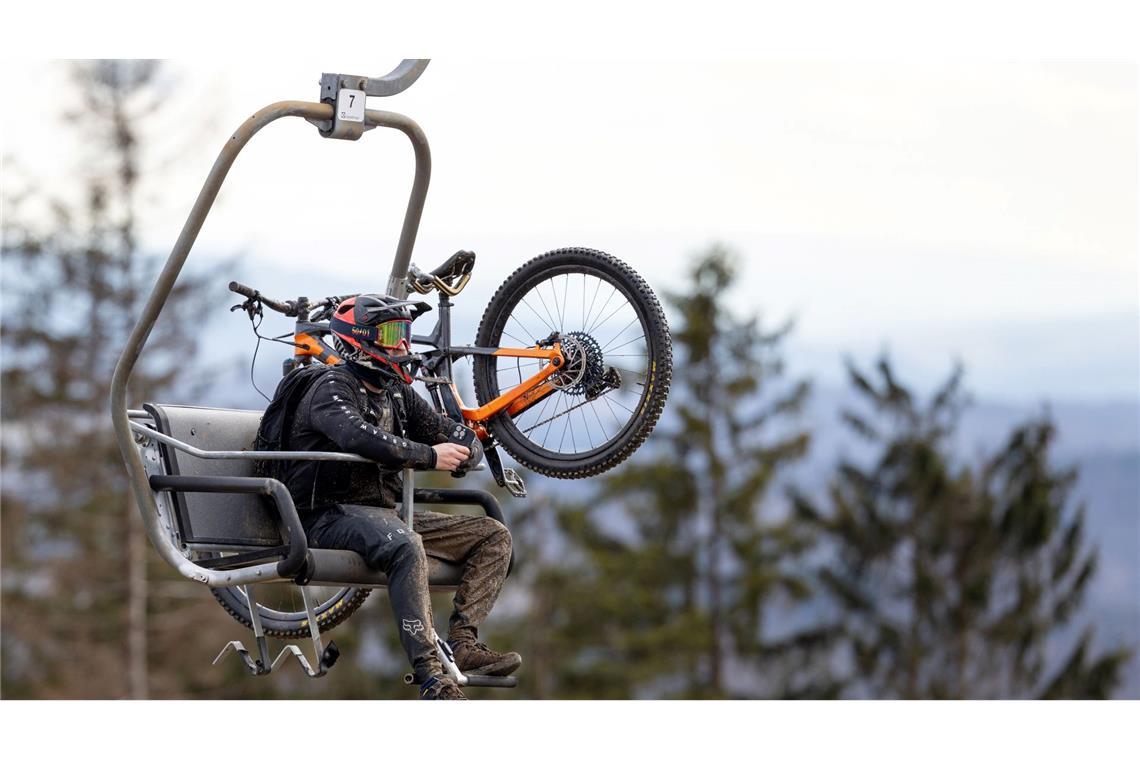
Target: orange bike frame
515, 401
525, 394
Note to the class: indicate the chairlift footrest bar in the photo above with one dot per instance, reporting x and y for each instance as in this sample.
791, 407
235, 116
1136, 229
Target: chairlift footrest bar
259, 667
500, 682
328, 658
255, 667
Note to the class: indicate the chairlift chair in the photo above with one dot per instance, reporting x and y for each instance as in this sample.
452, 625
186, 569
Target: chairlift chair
191, 468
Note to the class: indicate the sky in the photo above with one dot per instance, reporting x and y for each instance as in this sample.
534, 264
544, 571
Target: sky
980, 212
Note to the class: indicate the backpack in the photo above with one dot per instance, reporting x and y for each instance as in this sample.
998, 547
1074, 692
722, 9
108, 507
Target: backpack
273, 432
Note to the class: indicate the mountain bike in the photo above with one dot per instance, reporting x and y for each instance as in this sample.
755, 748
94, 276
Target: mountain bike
572, 361
572, 365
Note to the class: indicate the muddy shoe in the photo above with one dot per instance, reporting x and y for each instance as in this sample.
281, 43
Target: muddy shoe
475, 659
440, 687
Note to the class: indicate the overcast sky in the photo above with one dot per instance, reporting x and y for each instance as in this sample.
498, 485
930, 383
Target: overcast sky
986, 212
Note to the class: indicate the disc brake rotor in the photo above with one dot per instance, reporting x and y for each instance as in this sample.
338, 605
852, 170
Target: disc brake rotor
584, 370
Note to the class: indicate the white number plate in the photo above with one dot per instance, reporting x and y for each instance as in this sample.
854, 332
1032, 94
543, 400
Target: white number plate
350, 105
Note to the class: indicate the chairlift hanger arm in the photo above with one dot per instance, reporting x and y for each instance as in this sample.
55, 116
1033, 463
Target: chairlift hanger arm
348, 93
393, 83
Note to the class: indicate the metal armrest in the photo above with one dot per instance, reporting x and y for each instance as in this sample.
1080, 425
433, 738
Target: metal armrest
295, 539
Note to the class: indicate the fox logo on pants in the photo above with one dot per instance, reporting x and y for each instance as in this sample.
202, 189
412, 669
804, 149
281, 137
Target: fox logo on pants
412, 626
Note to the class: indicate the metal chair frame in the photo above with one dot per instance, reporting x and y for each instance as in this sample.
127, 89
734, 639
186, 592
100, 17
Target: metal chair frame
340, 114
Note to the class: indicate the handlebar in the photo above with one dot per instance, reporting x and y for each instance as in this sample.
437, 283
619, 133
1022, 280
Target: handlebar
288, 308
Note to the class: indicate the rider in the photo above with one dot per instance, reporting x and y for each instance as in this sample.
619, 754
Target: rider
365, 406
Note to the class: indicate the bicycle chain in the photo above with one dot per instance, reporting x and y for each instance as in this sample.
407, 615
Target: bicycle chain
561, 414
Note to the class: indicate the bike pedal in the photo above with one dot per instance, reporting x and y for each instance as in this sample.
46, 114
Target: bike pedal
513, 482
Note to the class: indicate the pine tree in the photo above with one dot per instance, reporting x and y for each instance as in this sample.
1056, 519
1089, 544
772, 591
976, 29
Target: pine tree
949, 580
74, 280
660, 584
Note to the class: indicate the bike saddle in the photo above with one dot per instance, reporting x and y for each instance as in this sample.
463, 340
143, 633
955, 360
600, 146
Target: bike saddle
450, 277
460, 263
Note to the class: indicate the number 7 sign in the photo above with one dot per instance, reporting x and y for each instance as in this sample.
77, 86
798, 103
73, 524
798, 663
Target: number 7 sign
350, 105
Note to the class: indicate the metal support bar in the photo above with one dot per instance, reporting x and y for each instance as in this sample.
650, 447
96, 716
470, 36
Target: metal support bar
324, 657
261, 666
319, 456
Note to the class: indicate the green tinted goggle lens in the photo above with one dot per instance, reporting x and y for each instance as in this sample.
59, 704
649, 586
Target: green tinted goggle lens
389, 334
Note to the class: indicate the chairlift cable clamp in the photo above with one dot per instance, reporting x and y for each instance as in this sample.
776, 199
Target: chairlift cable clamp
348, 93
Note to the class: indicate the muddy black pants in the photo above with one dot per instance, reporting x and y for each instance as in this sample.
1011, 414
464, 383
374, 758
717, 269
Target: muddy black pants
480, 545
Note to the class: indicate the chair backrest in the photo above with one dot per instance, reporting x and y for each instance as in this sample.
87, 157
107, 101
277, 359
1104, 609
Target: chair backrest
221, 519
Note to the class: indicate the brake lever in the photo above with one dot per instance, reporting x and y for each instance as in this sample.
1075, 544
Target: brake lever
250, 306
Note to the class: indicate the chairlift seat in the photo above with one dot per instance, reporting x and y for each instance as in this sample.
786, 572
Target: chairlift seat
244, 523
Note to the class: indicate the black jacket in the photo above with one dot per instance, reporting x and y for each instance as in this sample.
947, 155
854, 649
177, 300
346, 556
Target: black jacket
394, 429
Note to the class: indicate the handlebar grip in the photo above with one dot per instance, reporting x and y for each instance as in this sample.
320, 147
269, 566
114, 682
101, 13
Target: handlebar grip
244, 290
288, 308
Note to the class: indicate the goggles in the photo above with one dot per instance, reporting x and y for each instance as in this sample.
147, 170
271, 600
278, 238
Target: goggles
385, 335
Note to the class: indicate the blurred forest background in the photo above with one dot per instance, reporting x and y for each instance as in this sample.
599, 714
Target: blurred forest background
722, 561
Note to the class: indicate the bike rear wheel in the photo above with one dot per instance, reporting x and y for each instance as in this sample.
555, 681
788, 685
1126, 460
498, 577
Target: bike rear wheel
282, 611
606, 399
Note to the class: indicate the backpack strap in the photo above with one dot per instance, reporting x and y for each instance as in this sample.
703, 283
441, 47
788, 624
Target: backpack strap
277, 421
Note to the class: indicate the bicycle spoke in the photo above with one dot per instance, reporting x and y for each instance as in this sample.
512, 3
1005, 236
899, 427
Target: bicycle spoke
586, 425
546, 308
633, 340
594, 407
607, 319
583, 298
608, 406
520, 324
567, 426
516, 367
622, 330
593, 300
554, 295
623, 406
545, 404
535, 313
556, 403
565, 289
516, 340
602, 310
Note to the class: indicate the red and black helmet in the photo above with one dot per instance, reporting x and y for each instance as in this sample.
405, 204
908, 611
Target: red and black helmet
366, 327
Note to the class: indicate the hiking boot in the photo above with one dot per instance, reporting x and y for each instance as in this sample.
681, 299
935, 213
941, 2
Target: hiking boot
440, 687
474, 658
